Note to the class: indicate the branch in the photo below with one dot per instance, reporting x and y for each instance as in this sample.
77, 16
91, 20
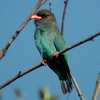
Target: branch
81, 42
2, 53
63, 17
97, 89
72, 76
20, 74
39, 65
77, 87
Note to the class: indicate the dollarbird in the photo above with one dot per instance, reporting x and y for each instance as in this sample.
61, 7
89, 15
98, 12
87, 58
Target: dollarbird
49, 41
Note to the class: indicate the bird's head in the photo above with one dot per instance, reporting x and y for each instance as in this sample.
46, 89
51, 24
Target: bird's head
43, 16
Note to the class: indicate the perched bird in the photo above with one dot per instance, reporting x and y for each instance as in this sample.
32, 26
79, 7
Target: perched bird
49, 42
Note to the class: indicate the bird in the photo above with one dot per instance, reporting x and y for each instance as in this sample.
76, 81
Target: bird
49, 41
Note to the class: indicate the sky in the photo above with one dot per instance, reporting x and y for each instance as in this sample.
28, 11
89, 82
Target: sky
82, 21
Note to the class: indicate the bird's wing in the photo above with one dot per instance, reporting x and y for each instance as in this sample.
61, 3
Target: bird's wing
59, 42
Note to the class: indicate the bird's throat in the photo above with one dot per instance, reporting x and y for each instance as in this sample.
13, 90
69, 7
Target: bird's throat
38, 23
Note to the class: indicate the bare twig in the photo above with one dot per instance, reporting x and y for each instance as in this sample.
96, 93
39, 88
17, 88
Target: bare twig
50, 5
62, 32
81, 42
20, 74
77, 87
63, 17
2, 53
97, 89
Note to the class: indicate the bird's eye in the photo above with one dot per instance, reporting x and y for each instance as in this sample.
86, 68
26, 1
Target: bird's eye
45, 15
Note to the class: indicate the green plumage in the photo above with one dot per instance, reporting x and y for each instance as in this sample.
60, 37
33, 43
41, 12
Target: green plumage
48, 40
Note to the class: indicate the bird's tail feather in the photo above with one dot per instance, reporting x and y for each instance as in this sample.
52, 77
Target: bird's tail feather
66, 86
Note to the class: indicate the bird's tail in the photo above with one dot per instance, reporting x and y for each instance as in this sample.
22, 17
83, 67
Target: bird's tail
66, 86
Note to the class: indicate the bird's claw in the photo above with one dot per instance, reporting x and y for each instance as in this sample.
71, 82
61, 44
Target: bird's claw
44, 62
56, 54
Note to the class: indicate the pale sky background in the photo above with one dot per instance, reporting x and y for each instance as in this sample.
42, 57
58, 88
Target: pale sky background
82, 21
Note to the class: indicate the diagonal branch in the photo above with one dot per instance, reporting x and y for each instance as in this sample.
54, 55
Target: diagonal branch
20, 74
97, 89
81, 42
2, 53
63, 17
77, 87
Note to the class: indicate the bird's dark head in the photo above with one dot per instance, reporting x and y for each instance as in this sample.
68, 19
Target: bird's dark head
43, 16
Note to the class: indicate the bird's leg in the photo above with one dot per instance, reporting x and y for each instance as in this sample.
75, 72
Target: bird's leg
56, 54
44, 62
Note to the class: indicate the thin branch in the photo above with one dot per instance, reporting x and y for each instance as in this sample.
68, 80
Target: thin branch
20, 74
97, 89
77, 87
63, 17
2, 53
81, 42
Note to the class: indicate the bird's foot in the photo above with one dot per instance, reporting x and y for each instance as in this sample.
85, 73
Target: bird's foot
56, 54
44, 62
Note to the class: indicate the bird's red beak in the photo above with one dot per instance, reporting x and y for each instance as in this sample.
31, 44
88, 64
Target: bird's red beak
36, 17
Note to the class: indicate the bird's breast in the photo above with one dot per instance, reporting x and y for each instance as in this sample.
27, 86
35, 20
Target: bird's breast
44, 43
